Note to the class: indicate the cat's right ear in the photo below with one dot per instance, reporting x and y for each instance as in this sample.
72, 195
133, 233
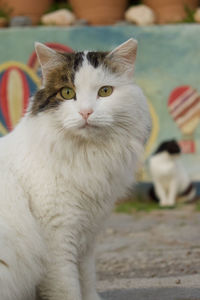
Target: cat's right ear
46, 57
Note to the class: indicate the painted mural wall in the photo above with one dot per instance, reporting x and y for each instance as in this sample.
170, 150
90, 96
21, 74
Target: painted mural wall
167, 69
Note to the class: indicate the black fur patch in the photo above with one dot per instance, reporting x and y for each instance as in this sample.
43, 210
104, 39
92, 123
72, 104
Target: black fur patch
78, 60
170, 146
152, 194
187, 191
96, 58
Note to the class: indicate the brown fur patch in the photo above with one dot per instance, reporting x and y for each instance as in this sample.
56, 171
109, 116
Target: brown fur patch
61, 76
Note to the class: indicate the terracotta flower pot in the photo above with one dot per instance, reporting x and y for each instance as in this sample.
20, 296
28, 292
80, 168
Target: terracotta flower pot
99, 12
3, 22
169, 11
31, 8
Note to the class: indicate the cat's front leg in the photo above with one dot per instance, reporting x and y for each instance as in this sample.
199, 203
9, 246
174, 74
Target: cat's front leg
88, 275
172, 192
62, 280
160, 191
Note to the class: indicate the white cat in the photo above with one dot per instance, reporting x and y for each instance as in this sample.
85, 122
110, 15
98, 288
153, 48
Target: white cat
170, 178
69, 159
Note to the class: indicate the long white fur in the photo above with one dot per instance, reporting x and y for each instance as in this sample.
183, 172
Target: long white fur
59, 181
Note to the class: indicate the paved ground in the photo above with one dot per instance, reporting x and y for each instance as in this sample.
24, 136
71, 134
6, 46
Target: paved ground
150, 256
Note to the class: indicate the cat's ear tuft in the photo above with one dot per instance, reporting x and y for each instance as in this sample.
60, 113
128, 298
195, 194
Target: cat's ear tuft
124, 55
44, 53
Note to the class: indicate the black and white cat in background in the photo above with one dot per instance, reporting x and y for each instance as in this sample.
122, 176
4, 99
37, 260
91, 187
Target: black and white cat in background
170, 179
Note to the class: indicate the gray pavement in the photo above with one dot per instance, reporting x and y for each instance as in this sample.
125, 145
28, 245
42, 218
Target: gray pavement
153, 294
150, 256
168, 288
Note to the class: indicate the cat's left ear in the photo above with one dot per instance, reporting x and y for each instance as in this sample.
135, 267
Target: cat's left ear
123, 57
47, 58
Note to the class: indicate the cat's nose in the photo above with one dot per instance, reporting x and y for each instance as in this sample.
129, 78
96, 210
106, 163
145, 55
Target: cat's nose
86, 113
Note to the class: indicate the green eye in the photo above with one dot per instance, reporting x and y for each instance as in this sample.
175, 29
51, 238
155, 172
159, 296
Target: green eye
67, 93
105, 91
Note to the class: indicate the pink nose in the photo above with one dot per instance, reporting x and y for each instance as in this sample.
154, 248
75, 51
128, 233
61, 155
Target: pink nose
86, 113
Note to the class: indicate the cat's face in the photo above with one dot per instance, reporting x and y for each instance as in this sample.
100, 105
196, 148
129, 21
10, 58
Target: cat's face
89, 93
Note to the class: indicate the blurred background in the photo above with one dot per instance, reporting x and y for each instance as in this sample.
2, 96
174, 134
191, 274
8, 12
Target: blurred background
167, 66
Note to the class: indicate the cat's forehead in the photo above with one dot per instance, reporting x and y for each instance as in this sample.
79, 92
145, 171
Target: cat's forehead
76, 60
80, 69
78, 64
93, 71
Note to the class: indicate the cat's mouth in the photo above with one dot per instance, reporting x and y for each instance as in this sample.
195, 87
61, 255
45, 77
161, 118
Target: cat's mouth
87, 125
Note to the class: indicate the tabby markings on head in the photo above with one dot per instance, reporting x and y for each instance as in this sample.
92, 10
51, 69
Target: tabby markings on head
62, 76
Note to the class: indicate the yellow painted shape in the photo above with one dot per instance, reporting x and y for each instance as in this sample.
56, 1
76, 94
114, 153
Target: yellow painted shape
23, 67
3, 130
154, 132
15, 92
142, 175
189, 127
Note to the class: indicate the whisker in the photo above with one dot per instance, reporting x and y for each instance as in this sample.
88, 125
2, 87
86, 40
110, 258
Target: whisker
71, 123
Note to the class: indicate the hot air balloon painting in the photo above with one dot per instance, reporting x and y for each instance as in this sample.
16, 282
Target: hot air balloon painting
17, 84
184, 107
33, 61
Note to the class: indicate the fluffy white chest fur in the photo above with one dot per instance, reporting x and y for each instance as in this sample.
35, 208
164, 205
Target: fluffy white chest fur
63, 167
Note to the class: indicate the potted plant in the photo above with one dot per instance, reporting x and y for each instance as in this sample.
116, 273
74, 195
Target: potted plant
31, 8
169, 11
99, 12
